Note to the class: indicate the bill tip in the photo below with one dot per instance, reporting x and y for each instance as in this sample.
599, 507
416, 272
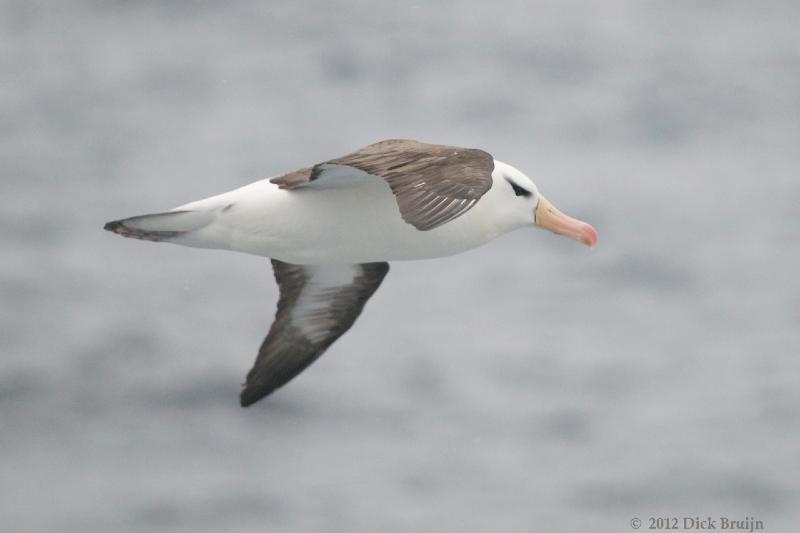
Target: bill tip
589, 235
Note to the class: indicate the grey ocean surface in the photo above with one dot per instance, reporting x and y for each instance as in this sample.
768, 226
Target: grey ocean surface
529, 385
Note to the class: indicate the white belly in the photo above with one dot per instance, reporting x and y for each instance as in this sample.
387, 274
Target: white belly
337, 224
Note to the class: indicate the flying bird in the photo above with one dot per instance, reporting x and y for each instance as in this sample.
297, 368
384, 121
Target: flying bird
329, 230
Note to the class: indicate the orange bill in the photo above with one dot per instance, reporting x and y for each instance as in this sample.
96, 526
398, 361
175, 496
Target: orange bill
548, 217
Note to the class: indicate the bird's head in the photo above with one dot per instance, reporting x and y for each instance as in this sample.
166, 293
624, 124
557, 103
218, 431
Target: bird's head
530, 207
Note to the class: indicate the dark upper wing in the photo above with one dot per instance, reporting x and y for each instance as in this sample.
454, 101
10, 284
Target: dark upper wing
432, 183
317, 305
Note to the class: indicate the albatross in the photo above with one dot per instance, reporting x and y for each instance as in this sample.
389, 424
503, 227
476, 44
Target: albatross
331, 228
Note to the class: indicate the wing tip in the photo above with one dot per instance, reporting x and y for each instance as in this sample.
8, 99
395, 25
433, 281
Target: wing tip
246, 400
251, 395
254, 392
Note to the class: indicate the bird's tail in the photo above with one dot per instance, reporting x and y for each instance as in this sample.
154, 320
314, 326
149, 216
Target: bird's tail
162, 226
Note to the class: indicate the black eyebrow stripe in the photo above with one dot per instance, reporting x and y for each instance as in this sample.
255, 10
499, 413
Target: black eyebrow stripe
519, 191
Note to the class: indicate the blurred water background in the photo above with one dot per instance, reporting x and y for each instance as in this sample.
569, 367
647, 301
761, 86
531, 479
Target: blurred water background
529, 385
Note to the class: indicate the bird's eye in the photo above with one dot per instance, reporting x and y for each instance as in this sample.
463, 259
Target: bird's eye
519, 191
